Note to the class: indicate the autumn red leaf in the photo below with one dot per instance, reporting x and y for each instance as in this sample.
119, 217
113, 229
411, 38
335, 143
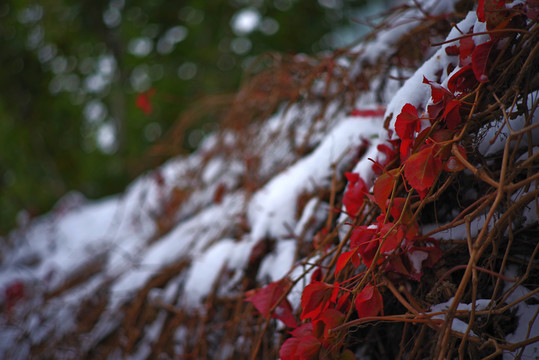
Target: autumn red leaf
462, 81
422, 138
407, 123
452, 50
343, 303
439, 138
479, 60
143, 101
406, 149
406, 216
219, 193
383, 187
308, 348
289, 349
14, 293
489, 11
434, 110
355, 192
302, 330
266, 298
437, 91
364, 239
315, 299
411, 262
481, 11
401, 265
422, 168
317, 275
451, 114
345, 258
379, 111
467, 46
393, 237
328, 320
368, 302
453, 164
388, 151
432, 248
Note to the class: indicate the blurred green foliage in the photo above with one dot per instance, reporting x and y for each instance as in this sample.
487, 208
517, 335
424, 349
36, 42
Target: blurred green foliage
71, 70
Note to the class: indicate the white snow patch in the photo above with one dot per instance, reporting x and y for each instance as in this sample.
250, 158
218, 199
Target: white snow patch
272, 209
459, 325
276, 265
205, 271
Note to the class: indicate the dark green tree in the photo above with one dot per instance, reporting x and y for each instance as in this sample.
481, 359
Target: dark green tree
71, 72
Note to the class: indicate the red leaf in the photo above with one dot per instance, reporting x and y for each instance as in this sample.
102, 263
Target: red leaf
434, 254
308, 348
383, 187
345, 258
481, 11
442, 136
397, 209
412, 261
343, 303
407, 122
462, 81
14, 292
466, 47
406, 149
432, 247
479, 60
368, 302
393, 238
379, 111
143, 101
285, 313
401, 265
452, 114
366, 242
452, 50
437, 91
388, 151
422, 168
303, 330
317, 275
330, 318
315, 299
289, 349
453, 164
354, 196
265, 299
219, 193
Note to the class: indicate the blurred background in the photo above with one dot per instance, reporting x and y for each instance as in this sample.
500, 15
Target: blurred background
89, 88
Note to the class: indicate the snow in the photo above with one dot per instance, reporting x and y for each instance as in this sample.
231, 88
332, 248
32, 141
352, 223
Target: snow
188, 239
273, 207
459, 325
528, 321
205, 270
414, 91
493, 143
417, 258
276, 265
